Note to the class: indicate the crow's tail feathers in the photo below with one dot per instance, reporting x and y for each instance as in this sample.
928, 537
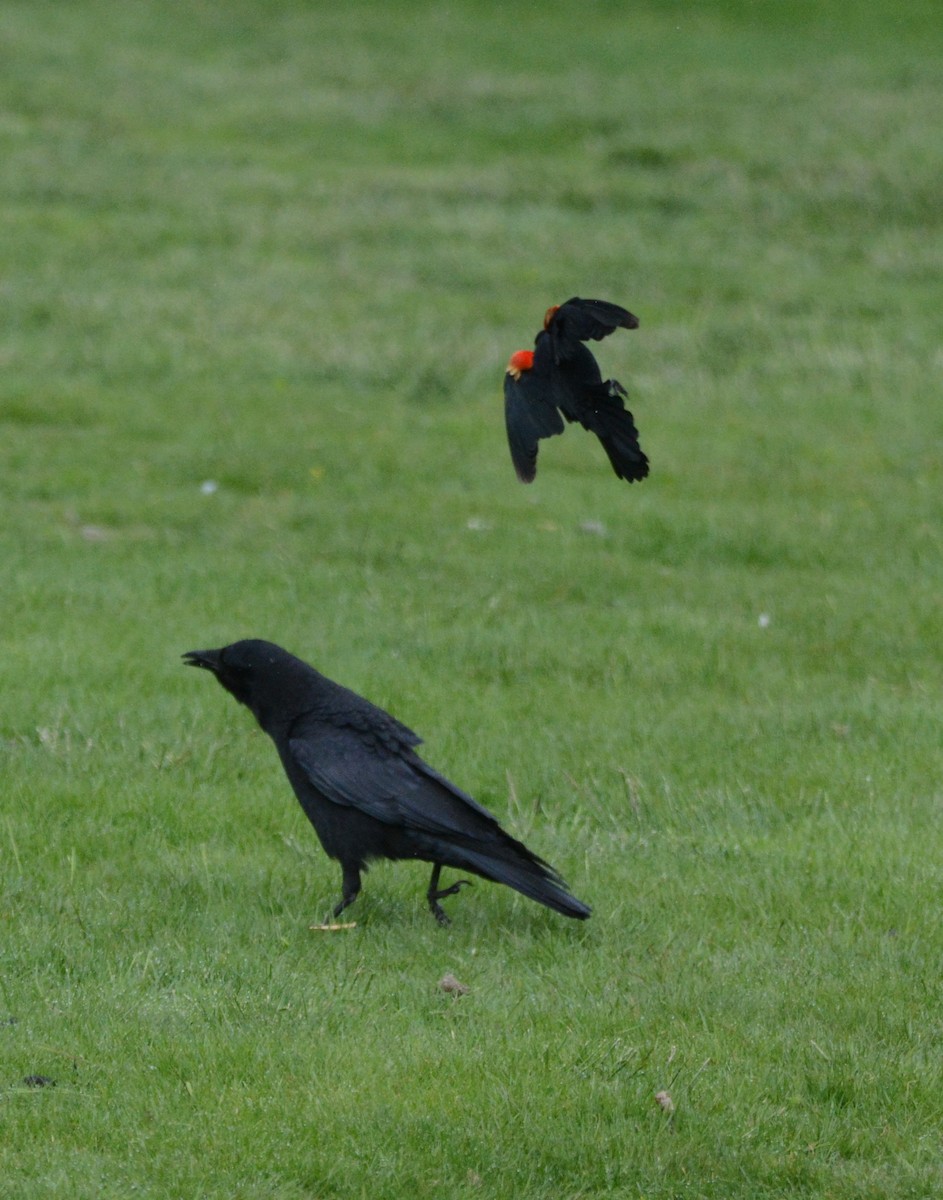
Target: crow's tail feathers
513, 864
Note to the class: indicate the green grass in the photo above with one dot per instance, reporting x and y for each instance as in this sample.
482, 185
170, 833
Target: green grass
288, 247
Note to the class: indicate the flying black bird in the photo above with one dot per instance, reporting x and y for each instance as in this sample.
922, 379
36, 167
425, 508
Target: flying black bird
363, 787
561, 375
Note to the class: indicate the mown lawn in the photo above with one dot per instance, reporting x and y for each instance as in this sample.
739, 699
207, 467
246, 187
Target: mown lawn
262, 267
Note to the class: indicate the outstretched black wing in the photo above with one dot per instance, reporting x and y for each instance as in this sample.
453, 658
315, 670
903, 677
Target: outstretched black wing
579, 320
530, 415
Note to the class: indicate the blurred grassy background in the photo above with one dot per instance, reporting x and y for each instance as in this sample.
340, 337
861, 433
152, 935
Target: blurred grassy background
285, 249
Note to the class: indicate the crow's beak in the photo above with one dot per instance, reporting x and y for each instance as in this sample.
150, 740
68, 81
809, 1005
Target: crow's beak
207, 659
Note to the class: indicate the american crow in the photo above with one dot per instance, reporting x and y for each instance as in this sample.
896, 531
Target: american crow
363, 787
560, 373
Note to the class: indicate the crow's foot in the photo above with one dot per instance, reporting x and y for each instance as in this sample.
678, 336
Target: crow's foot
434, 895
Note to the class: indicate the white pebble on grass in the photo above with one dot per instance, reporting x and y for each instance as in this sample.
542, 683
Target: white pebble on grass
595, 527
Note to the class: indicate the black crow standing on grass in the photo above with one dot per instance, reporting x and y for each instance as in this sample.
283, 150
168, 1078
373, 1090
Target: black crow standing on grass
363, 787
561, 375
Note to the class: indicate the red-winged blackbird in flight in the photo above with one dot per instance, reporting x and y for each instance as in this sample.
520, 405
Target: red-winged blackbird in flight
561, 375
363, 787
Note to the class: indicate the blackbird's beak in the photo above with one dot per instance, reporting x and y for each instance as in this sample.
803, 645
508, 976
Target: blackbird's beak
207, 659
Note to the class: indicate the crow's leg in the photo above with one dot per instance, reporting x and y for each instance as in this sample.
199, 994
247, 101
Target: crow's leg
351, 889
435, 894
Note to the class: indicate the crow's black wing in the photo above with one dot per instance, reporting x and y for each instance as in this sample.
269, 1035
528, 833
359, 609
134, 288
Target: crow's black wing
529, 415
396, 789
338, 705
441, 823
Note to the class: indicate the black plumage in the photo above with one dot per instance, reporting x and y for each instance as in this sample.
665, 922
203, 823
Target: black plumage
561, 375
365, 790
577, 321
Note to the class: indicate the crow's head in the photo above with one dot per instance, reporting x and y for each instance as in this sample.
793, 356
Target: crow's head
253, 671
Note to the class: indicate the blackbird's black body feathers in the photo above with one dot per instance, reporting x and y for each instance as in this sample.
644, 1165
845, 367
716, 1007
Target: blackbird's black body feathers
564, 377
360, 782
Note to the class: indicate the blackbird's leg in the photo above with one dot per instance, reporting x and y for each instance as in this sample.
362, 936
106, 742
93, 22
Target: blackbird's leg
435, 894
351, 889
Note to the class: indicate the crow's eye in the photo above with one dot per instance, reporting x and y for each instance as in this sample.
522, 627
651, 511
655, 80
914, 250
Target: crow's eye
231, 662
